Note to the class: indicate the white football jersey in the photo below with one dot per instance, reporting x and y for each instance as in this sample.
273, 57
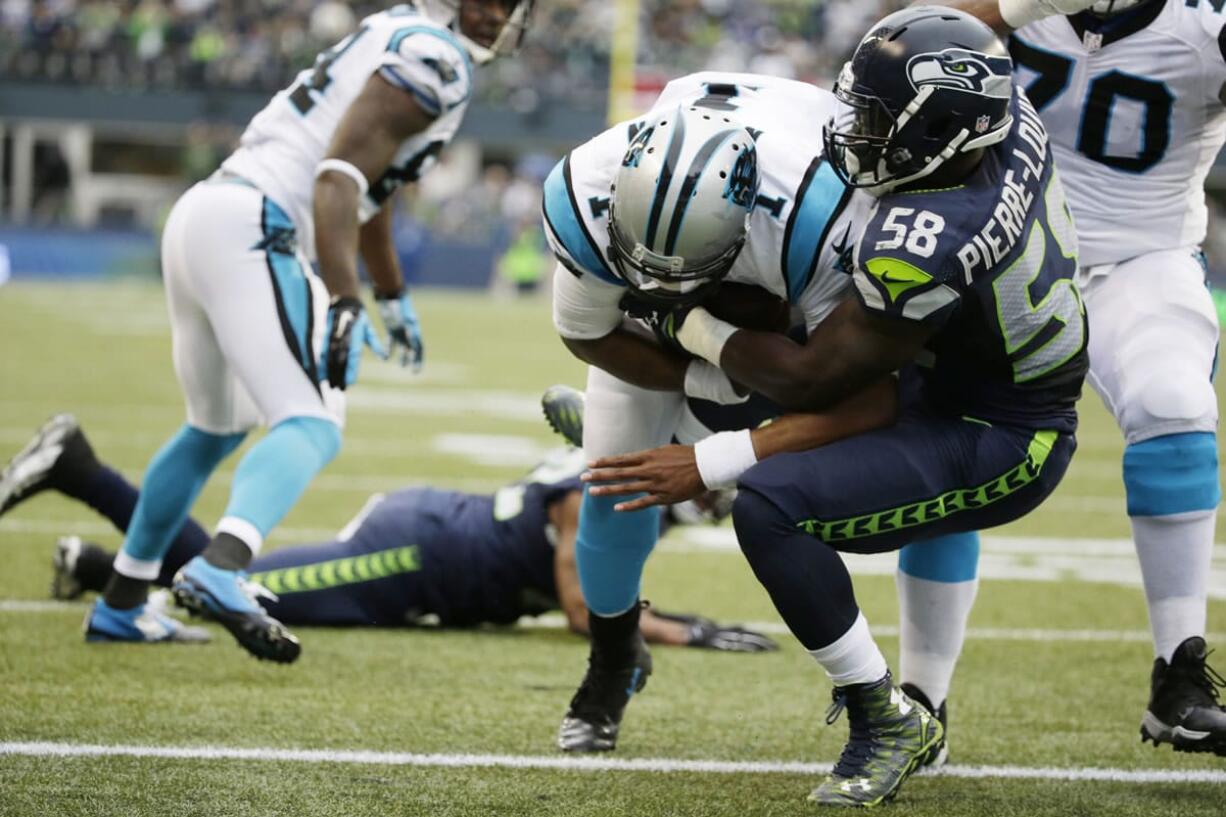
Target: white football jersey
804, 226
283, 144
1135, 120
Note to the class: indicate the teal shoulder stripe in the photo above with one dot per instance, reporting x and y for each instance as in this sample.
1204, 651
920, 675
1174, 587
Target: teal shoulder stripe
819, 200
562, 214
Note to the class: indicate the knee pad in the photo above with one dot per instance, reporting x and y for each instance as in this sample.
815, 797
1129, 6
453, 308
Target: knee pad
1173, 474
611, 549
952, 558
1161, 399
324, 436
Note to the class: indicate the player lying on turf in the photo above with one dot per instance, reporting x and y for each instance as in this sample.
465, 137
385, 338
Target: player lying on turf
259, 338
963, 274
1132, 94
411, 555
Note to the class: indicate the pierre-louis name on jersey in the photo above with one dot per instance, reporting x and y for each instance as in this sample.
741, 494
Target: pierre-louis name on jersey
991, 262
1135, 118
285, 142
803, 224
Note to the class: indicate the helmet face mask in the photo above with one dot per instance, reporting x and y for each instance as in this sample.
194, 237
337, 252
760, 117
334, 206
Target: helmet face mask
511, 16
680, 206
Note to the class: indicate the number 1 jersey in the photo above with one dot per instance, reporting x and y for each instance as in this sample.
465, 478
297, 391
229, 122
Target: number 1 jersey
1135, 119
285, 142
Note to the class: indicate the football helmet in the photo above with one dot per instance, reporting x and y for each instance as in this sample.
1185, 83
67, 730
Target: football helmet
509, 37
1105, 8
925, 84
680, 204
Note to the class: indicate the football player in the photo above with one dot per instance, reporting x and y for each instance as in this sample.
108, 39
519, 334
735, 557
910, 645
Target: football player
720, 181
964, 283
412, 556
258, 338
1132, 94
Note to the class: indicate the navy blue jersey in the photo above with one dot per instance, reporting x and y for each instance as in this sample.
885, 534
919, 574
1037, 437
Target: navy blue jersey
480, 558
991, 262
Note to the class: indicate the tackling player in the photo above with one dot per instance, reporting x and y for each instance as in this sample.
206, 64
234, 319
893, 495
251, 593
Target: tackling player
964, 282
720, 181
258, 338
411, 555
1132, 94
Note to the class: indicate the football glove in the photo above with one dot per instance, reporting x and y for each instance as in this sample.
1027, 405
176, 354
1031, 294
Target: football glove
403, 329
711, 635
1019, 13
664, 322
347, 331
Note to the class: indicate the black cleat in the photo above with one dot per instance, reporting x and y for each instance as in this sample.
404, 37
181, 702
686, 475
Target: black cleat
1183, 702
57, 449
939, 755
563, 407
594, 717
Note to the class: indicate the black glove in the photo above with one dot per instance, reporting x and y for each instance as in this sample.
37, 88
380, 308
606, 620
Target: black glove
663, 321
347, 332
712, 635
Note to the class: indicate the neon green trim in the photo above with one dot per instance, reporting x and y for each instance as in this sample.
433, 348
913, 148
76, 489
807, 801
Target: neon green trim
896, 275
971, 419
336, 572
939, 507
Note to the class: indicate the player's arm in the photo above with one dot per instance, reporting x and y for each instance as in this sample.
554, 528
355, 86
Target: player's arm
679, 630
395, 306
1006, 15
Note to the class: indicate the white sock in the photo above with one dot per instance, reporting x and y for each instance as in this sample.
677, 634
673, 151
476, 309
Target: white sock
932, 618
854, 658
132, 568
1176, 553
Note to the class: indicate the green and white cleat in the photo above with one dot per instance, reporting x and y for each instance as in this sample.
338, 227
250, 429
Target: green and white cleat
563, 407
891, 736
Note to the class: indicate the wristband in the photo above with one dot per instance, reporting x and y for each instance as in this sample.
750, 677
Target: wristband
704, 335
723, 457
346, 169
707, 382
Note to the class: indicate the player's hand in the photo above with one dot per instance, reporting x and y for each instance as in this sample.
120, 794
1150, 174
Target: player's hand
711, 635
348, 330
1020, 13
663, 321
665, 475
403, 328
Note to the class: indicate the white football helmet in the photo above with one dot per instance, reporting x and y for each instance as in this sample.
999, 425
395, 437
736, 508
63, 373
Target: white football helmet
508, 39
681, 202
1105, 8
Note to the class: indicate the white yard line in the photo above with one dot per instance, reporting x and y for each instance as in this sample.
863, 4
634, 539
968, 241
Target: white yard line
582, 764
555, 621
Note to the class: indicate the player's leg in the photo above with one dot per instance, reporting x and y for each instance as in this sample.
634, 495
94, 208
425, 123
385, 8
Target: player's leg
924, 477
611, 549
179, 470
1153, 346
267, 312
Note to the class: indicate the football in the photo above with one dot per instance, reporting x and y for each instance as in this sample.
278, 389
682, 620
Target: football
750, 307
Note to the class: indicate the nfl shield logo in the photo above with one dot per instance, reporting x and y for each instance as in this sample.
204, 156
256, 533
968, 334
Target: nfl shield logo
982, 123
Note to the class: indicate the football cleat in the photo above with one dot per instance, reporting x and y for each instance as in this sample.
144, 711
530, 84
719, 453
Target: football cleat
594, 717
141, 625
231, 599
1184, 708
57, 447
890, 737
563, 407
65, 585
939, 755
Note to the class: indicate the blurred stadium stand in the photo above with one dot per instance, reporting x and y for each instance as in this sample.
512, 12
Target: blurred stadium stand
110, 108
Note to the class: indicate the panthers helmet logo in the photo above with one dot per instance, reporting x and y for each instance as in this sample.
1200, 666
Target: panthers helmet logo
962, 70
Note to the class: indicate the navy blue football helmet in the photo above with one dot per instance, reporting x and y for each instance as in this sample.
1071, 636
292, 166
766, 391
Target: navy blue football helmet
925, 84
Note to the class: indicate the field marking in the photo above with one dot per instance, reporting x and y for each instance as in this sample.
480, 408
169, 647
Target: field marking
554, 621
584, 764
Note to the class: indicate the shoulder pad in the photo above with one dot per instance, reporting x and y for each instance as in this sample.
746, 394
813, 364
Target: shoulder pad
431, 64
906, 261
568, 231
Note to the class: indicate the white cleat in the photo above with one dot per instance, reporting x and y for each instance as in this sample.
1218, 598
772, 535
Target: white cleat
30, 471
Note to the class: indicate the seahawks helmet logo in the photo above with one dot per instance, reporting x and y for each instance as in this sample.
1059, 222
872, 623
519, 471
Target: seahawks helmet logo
962, 70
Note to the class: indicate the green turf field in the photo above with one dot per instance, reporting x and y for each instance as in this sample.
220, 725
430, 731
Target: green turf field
1025, 697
